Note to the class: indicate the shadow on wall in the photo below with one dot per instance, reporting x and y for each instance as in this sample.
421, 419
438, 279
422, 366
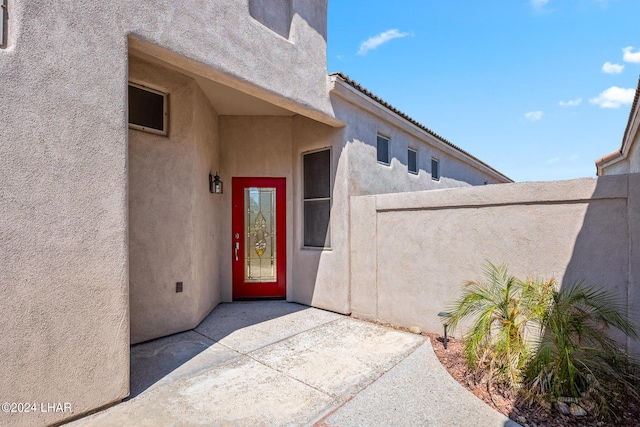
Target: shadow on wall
601, 255
277, 15
273, 14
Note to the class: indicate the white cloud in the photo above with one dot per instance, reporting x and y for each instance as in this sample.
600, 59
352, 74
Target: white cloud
539, 4
610, 68
556, 160
381, 38
614, 97
553, 160
630, 56
534, 116
571, 103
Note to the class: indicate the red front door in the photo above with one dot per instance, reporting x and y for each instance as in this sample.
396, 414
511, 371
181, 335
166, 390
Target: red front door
259, 237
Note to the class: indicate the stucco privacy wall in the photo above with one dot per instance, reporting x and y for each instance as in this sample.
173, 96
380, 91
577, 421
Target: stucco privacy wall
319, 275
412, 252
172, 237
63, 168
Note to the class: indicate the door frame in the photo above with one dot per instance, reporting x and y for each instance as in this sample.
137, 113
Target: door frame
267, 290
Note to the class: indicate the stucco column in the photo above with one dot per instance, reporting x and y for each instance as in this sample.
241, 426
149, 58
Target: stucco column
364, 262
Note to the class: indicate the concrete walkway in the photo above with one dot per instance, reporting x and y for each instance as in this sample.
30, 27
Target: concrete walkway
273, 363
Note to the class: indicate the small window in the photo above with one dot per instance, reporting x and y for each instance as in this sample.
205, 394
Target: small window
317, 198
412, 161
435, 169
383, 150
147, 109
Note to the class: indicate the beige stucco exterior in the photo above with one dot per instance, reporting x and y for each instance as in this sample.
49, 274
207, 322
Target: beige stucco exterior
99, 221
413, 252
171, 235
77, 195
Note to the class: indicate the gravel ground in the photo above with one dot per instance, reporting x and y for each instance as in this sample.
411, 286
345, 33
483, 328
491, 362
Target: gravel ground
505, 402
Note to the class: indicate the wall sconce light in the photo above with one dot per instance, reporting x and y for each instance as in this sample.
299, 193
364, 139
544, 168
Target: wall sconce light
215, 185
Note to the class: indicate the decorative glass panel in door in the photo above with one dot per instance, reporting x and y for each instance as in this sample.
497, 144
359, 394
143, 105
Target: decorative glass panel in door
258, 237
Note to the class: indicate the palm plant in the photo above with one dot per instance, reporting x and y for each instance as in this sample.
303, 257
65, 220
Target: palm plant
501, 311
576, 356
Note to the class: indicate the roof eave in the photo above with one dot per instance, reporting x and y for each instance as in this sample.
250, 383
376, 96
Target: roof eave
364, 94
608, 160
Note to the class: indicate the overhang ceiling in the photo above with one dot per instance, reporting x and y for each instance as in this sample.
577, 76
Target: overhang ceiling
226, 100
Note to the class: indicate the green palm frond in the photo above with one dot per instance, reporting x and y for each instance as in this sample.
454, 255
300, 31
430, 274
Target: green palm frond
576, 354
554, 343
500, 311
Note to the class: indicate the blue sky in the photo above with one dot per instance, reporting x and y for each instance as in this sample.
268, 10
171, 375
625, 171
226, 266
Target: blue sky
538, 89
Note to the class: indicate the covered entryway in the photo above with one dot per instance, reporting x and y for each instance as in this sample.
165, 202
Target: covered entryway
259, 238
182, 249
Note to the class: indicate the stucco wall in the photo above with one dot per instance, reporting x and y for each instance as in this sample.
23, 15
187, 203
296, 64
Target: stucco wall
627, 158
172, 233
365, 120
63, 157
411, 252
252, 146
320, 275
634, 156
618, 168
625, 164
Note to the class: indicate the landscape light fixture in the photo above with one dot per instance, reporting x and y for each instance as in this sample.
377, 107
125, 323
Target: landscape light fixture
444, 314
215, 185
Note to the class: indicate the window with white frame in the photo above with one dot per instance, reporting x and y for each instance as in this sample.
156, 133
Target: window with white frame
412, 161
148, 109
435, 169
383, 149
317, 198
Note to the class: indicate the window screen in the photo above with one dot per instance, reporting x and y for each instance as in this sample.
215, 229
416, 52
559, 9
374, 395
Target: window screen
435, 169
412, 161
383, 150
147, 110
317, 198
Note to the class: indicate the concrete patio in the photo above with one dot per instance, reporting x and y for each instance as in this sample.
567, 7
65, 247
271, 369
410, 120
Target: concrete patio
273, 363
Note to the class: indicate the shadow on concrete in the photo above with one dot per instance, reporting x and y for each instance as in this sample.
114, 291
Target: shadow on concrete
170, 358
228, 318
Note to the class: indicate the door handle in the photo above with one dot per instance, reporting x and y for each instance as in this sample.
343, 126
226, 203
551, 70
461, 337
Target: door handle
236, 247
